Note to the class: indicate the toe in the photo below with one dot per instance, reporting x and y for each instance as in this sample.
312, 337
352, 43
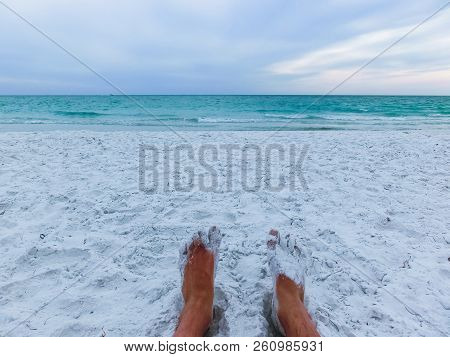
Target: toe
273, 239
290, 242
212, 232
297, 248
184, 249
271, 244
284, 242
214, 238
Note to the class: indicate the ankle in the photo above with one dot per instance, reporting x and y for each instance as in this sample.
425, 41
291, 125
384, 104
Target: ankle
200, 303
298, 323
200, 296
195, 318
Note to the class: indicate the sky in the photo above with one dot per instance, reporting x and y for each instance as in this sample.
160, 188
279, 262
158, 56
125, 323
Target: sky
224, 47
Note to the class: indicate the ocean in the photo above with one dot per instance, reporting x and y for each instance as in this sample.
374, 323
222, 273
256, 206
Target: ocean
226, 112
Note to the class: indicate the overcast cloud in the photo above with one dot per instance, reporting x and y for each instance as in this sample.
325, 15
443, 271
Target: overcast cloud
224, 47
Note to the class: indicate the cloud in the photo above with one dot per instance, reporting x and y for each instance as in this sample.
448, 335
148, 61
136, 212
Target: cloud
343, 54
421, 58
215, 46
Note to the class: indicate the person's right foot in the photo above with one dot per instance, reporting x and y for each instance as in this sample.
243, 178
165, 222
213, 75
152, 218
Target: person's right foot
287, 265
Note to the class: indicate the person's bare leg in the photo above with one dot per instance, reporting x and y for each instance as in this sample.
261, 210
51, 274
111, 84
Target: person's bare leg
198, 286
198, 292
291, 311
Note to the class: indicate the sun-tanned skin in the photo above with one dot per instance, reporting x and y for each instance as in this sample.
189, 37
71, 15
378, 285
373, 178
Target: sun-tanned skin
292, 312
198, 292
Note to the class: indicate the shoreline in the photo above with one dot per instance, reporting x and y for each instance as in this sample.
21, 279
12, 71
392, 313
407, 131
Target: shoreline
25, 128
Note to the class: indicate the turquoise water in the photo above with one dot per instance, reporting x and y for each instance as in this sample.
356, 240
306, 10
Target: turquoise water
218, 112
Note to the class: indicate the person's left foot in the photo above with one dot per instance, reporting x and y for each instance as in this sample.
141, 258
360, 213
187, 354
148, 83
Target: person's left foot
198, 260
198, 275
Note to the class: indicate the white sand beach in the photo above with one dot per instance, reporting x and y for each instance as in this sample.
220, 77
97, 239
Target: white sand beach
84, 252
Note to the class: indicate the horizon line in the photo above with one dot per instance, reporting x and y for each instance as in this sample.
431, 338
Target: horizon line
228, 94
